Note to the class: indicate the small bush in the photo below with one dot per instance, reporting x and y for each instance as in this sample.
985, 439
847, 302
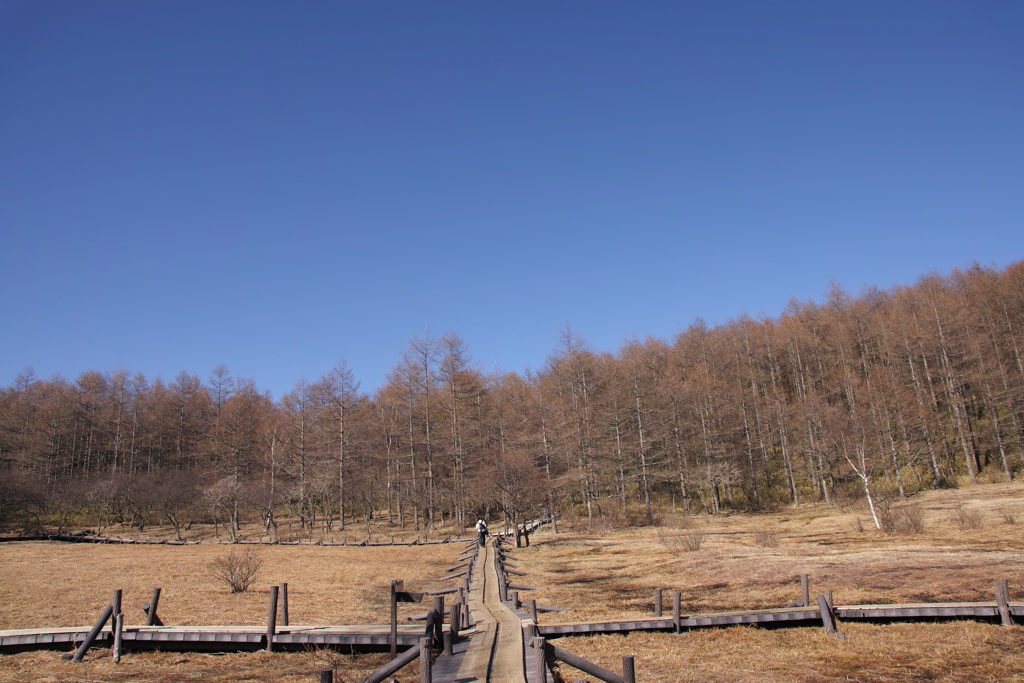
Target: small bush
1008, 517
902, 519
677, 542
965, 518
238, 569
766, 538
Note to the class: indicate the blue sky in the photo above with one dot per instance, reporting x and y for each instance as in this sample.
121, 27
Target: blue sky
277, 186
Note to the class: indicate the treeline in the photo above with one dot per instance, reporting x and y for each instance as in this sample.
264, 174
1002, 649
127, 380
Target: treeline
874, 396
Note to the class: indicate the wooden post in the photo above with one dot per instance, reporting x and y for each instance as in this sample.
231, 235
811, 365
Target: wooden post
425, 672
628, 672
828, 599
439, 621
272, 619
284, 604
394, 618
582, 664
95, 631
152, 618
542, 666
327, 676
828, 618
447, 642
118, 629
677, 618
515, 600
533, 611
805, 590
1003, 602
115, 602
657, 602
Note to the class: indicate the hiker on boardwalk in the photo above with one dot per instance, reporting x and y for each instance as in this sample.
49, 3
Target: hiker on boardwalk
481, 529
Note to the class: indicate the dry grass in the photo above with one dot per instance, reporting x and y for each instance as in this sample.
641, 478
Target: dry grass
192, 667
613, 577
610, 577
56, 584
598, 578
953, 651
59, 584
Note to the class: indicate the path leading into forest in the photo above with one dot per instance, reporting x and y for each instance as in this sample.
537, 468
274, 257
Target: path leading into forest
495, 651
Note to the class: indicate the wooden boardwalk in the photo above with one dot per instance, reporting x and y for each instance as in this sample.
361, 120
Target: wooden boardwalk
794, 616
495, 650
217, 638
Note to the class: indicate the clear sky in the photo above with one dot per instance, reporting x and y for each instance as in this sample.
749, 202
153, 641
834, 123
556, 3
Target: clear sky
277, 186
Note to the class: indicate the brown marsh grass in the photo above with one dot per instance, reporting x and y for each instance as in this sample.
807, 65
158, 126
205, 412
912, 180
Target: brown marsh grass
598, 578
613, 577
68, 584
59, 584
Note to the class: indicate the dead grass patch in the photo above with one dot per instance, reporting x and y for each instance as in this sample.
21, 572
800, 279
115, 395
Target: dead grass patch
860, 567
63, 584
953, 651
192, 667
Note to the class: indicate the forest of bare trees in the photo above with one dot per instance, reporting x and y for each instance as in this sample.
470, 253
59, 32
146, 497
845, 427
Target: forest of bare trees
869, 398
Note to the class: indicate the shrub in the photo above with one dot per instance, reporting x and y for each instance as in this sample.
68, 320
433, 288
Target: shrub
902, 519
676, 542
766, 538
238, 569
966, 519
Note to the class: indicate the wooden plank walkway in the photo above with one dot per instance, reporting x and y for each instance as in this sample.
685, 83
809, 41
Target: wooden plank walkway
495, 648
371, 637
793, 616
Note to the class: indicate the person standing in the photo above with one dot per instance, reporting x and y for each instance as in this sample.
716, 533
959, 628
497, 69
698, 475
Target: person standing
481, 530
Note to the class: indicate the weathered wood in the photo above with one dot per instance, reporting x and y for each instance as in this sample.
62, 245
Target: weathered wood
115, 601
1003, 602
327, 676
828, 618
582, 664
628, 669
541, 672
396, 585
532, 605
152, 618
438, 611
426, 674
805, 590
657, 602
677, 617
284, 604
520, 587
95, 631
392, 667
115, 652
272, 618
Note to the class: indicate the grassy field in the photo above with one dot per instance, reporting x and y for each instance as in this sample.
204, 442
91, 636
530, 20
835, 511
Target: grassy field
969, 539
57, 584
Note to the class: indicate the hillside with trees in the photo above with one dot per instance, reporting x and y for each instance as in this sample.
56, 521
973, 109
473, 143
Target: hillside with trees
870, 397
